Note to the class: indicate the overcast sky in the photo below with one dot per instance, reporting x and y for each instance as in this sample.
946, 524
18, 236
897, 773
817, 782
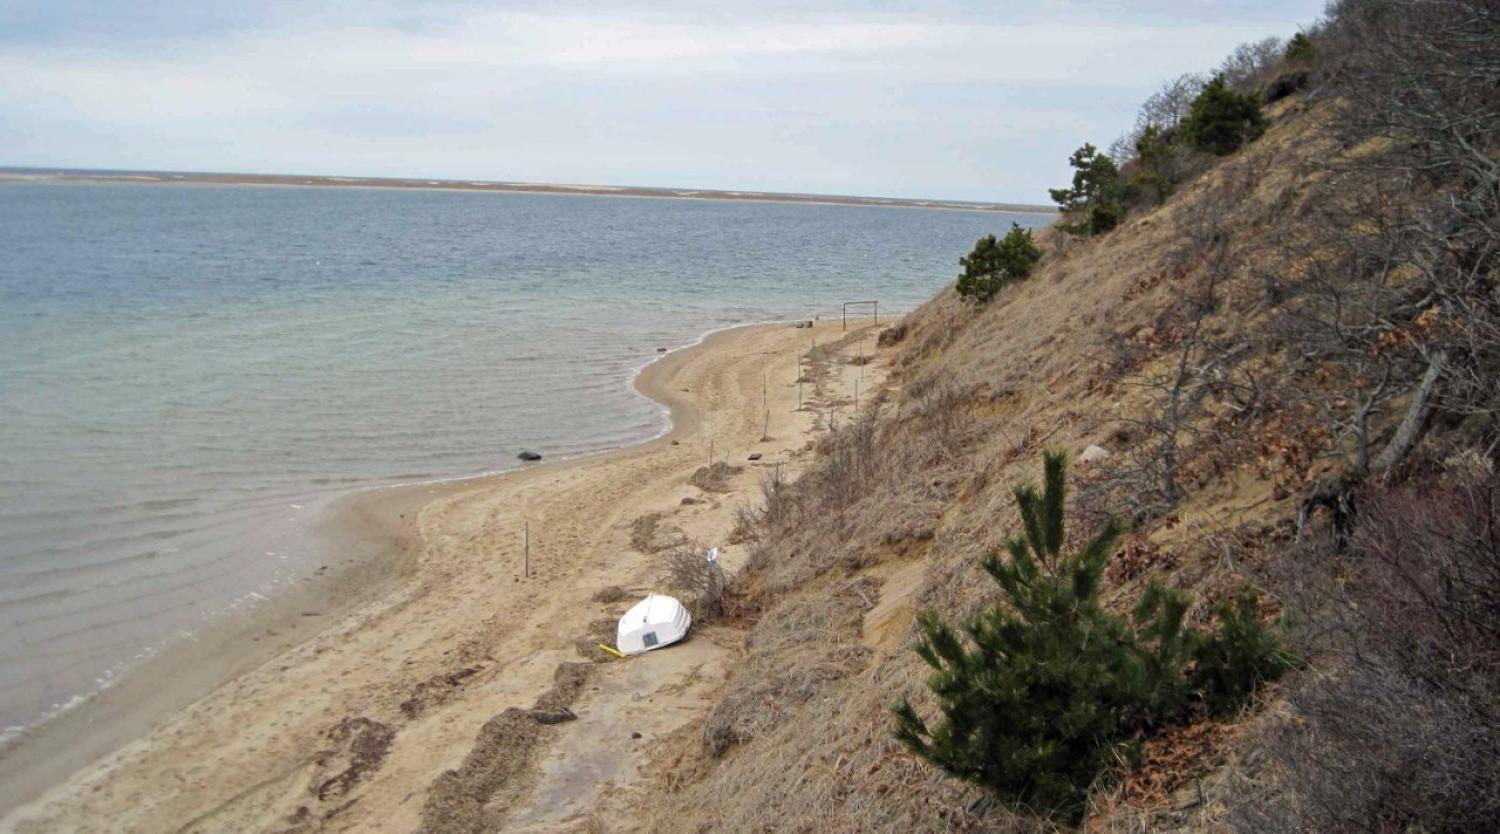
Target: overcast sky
956, 100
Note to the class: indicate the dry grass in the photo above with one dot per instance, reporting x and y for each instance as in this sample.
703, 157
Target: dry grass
650, 534
1397, 731
610, 594
975, 395
794, 651
714, 478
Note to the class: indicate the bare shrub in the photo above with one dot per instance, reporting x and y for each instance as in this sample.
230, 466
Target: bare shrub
715, 477
687, 572
1250, 64
942, 408
1163, 109
1392, 292
610, 594
643, 532
1399, 731
877, 488
750, 520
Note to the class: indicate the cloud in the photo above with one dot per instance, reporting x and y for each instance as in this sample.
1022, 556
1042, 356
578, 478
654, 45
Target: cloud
919, 100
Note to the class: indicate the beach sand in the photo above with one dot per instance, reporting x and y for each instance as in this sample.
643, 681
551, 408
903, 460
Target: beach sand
348, 729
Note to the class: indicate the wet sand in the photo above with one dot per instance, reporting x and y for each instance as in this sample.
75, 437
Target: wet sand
346, 720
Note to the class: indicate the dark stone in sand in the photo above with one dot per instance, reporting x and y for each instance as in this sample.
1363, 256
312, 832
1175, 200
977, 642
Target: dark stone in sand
661, 350
755, 456
530, 456
635, 735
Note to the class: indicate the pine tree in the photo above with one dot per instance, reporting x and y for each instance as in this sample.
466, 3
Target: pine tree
995, 263
1156, 163
1050, 691
1222, 120
1096, 193
1300, 50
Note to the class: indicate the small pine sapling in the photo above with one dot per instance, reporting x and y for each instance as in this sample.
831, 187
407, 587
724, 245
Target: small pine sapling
1050, 692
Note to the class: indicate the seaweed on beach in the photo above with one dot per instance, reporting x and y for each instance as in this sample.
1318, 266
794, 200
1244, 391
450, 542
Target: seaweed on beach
505, 747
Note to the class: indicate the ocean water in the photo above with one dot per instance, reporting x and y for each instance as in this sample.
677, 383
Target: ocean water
189, 373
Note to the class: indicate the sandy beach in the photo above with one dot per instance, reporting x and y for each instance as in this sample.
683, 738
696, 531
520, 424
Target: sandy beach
352, 719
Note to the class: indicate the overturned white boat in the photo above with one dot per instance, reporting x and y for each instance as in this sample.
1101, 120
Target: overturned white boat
655, 621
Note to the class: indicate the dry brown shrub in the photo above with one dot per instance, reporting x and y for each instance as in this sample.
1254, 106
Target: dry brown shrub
1397, 729
609, 594
643, 532
714, 478
686, 571
649, 534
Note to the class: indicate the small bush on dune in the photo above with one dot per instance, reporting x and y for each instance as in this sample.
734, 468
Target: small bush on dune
995, 263
1052, 690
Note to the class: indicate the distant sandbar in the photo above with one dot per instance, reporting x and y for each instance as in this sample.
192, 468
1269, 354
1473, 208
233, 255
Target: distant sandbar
185, 178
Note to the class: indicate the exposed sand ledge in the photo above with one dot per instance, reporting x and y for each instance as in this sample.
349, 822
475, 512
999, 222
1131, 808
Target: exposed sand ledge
455, 635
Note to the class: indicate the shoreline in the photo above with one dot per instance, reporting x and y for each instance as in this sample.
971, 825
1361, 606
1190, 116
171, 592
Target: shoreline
376, 523
645, 192
377, 535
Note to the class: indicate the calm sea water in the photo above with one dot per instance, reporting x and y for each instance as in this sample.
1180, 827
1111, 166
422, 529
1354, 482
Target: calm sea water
188, 373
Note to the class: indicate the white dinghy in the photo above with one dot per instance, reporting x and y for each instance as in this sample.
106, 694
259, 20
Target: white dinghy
653, 622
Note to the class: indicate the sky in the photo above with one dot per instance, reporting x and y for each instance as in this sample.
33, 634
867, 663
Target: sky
948, 100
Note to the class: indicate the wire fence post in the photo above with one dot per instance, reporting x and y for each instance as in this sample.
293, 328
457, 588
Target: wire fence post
526, 549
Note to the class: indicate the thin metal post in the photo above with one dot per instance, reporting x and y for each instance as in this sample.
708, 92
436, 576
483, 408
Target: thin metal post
526, 549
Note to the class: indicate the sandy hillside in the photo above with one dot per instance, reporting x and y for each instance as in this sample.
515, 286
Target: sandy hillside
354, 729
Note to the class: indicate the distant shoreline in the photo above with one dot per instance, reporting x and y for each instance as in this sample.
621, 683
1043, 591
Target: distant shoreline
196, 178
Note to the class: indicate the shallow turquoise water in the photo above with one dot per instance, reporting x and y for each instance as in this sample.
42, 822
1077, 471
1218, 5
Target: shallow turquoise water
188, 372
